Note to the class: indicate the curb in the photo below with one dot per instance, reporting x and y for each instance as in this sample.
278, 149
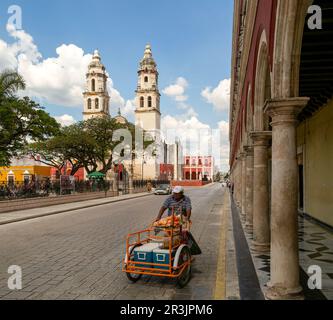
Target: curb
69, 210
221, 270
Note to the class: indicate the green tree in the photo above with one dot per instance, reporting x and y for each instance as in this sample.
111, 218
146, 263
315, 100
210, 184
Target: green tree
217, 177
72, 145
10, 83
87, 144
21, 119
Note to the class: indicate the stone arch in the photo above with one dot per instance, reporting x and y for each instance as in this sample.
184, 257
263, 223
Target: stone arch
262, 91
289, 30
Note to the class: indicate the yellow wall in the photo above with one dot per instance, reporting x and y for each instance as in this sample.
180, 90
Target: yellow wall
316, 136
40, 171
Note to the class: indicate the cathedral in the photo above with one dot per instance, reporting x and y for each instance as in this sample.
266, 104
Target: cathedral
147, 115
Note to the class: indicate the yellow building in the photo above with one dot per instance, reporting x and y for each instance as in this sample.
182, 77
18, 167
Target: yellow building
315, 157
24, 169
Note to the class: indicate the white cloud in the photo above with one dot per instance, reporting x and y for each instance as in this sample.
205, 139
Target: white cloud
129, 109
57, 80
199, 138
177, 90
24, 46
7, 57
224, 127
65, 120
219, 97
225, 145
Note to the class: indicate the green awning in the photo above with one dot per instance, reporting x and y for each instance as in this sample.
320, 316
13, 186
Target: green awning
96, 175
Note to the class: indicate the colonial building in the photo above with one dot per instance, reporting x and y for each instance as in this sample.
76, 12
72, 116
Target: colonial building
281, 126
96, 96
198, 168
24, 170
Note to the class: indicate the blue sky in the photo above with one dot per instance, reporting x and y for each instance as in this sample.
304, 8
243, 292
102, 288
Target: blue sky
189, 38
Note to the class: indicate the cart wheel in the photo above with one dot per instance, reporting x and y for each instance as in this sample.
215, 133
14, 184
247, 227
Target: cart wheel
184, 278
133, 276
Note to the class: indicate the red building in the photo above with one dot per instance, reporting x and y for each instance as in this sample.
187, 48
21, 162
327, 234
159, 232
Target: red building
79, 175
166, 171
198, 168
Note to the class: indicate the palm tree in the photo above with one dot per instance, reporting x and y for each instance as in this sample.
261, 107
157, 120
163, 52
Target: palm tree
10, 83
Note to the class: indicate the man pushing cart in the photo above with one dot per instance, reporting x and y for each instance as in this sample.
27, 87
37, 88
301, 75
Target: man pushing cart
166, 248
181, 204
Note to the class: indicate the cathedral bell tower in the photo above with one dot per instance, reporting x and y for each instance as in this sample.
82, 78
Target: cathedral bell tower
96, 96
147, 113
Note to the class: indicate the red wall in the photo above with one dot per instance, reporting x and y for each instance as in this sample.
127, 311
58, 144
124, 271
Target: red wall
265, 20
166, 170
79, 175
187, 183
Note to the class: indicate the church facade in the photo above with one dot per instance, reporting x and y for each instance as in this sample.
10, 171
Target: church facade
149, 163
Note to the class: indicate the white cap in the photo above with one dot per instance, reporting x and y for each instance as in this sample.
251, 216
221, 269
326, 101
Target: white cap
178, 189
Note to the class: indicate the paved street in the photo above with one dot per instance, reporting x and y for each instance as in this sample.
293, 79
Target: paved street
77, 255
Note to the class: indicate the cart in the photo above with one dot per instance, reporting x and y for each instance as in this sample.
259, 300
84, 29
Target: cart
173, 239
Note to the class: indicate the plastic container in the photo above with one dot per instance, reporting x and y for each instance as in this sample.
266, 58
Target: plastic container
162, 256
144, 254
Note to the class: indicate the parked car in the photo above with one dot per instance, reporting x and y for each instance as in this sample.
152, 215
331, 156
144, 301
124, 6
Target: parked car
164, 189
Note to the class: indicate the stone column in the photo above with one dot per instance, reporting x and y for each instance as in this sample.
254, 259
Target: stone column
249, 187
237, 181
130, 180
284, 282
261, 232
232, 179
243, 184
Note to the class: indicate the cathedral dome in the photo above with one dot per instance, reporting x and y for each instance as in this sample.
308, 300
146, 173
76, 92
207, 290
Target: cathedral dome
148, 60
120, 119
96, 61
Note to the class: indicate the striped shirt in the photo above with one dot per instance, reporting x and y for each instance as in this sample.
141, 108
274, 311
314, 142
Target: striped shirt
180, 206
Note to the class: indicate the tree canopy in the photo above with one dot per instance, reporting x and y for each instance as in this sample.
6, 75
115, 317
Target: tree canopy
93, 144
21, 119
